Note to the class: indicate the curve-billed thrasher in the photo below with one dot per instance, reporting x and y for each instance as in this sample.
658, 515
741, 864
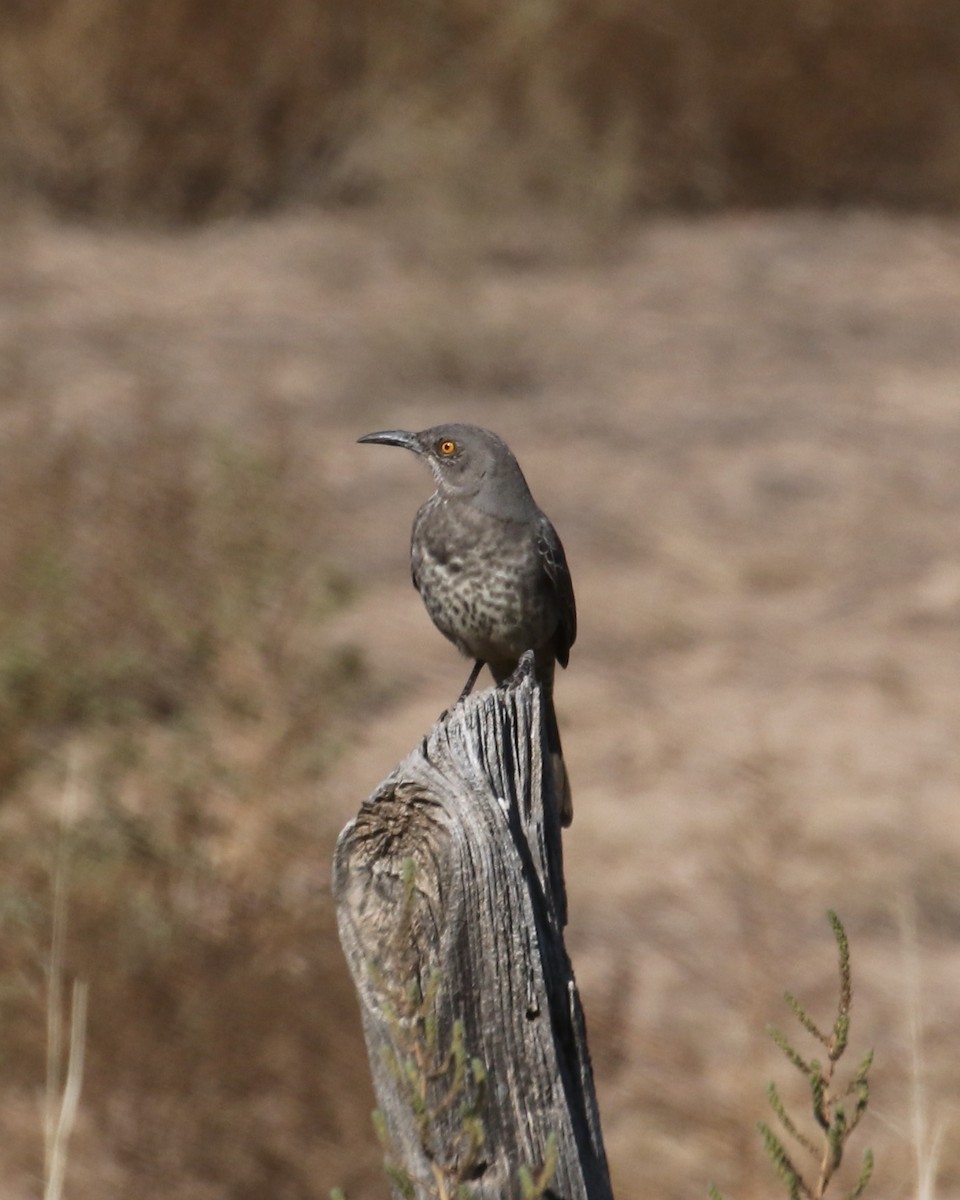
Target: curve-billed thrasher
489, 565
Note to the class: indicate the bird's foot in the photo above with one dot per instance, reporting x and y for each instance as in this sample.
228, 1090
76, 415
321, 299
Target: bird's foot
471, 680
525, 669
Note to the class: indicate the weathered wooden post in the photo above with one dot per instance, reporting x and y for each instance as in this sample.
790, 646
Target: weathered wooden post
451, 907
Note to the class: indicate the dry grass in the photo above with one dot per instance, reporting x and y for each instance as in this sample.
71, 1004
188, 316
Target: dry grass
761, 714
163, 601
151, 571
179, 109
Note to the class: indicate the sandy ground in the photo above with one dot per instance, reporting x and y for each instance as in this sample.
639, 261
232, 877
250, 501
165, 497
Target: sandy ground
747, 431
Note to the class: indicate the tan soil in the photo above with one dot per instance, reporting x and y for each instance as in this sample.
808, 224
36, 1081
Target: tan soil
747, 431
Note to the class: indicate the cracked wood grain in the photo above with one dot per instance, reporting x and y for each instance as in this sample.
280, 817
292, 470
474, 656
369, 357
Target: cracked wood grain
451, 908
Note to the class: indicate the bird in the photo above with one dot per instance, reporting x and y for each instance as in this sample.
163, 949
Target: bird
489, 566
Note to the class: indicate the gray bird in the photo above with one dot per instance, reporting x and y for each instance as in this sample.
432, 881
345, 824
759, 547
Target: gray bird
489, 565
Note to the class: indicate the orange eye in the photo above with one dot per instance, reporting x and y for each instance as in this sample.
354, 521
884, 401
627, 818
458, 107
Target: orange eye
447, 447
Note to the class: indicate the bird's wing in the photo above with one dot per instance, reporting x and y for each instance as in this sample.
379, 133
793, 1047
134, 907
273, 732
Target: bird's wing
554, 563
420, 542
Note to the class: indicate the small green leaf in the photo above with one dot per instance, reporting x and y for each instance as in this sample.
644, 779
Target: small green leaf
843, 947
818, 1088
780, 1039
773, 1098
804, 1018
380, 1128
401, 1181
841, 1031
782, 1162
865, 1064
866, 1171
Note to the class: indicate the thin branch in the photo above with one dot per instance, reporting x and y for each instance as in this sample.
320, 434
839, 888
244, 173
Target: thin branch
70, 1101
61, 1104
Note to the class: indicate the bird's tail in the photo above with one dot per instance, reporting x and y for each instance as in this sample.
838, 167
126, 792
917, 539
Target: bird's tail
561, 780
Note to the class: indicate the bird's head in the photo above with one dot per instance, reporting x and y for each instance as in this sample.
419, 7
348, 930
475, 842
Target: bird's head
465, 459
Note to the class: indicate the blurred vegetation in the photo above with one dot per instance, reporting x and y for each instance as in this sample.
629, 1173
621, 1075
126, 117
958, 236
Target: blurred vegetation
181, 109
152, 573
163, 666
163, 590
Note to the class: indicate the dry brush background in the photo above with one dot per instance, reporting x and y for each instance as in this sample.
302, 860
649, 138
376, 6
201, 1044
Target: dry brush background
236, 236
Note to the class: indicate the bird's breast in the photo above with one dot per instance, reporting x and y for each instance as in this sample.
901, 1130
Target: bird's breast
481, 581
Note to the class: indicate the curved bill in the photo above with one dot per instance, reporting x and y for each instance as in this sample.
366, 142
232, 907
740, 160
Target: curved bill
392, 437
